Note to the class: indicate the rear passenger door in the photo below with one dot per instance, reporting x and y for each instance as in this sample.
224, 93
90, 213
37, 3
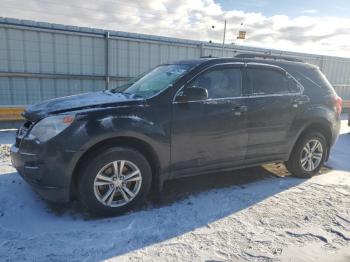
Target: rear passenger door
271, 111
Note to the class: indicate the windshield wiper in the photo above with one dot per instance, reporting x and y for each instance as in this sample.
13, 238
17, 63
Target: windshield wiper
120, 88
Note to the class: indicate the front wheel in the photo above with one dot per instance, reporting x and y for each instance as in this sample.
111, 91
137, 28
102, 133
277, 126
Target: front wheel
308, 155
115, 181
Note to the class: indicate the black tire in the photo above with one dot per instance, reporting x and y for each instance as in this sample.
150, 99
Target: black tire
94, 164
294, 165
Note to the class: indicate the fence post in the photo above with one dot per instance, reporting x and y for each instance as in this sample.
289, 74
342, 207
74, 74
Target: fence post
322, 63
107, 60
201, 50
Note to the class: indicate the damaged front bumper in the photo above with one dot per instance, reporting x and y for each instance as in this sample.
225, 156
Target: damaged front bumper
33, 174
45, 166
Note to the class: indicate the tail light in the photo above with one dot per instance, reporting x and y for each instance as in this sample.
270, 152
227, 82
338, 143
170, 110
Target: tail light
338, 104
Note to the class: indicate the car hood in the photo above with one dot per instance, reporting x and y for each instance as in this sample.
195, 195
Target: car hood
78, 102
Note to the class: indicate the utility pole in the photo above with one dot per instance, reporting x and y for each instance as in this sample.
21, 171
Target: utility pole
223, 41
107, 77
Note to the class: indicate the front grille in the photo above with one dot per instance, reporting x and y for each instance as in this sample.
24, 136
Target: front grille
22, 132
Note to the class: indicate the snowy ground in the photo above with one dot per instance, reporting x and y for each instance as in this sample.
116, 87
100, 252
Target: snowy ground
255, 214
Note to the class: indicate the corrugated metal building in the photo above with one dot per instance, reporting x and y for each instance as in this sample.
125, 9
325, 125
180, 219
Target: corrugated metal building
39, 61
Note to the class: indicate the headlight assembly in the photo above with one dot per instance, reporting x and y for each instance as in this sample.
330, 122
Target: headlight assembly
51, 126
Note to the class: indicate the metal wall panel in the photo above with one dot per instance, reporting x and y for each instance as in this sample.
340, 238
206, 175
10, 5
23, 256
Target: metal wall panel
343, 91
5, 91
26, 91
67, 60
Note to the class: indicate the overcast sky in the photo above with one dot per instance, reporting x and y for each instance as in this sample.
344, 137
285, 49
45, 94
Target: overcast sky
321, 27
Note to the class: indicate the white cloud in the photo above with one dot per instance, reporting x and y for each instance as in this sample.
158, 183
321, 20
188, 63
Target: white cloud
193, 20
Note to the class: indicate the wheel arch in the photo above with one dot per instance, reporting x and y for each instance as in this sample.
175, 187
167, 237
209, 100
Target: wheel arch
127, 141
317, 126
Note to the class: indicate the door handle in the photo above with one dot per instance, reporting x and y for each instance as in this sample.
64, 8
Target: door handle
300, 101
239, 109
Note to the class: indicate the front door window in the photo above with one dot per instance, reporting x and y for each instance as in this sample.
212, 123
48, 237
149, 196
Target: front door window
220, 83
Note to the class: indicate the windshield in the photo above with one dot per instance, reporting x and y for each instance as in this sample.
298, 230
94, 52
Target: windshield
154, 81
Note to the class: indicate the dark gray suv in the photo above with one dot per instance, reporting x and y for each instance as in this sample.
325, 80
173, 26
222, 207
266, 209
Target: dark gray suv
180, 119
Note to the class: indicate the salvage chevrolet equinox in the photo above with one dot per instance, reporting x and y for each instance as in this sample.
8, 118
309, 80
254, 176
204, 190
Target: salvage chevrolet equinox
109, 148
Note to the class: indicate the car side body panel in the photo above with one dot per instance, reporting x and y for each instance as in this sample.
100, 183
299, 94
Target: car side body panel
176, 133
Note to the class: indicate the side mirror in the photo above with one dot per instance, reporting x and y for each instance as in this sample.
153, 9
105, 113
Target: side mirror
192, 94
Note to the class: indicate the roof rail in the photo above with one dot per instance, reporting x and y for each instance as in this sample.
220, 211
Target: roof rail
267, 56
208, 56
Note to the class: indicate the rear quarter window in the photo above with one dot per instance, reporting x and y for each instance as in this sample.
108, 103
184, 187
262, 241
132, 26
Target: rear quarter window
312, 79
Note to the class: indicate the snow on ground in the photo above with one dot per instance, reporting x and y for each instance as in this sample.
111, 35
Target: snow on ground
256, 214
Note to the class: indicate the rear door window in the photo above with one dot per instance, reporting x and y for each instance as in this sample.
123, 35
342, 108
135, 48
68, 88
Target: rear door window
267, 81
294, 86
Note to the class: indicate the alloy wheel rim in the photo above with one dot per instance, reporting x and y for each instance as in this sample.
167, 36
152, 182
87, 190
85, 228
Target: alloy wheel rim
117, 183
311, 155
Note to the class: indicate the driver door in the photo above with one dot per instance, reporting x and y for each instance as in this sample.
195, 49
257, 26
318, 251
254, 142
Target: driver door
211, 134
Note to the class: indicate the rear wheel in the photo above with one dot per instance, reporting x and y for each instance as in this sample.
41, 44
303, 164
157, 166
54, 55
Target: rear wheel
115, 181
308, 155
